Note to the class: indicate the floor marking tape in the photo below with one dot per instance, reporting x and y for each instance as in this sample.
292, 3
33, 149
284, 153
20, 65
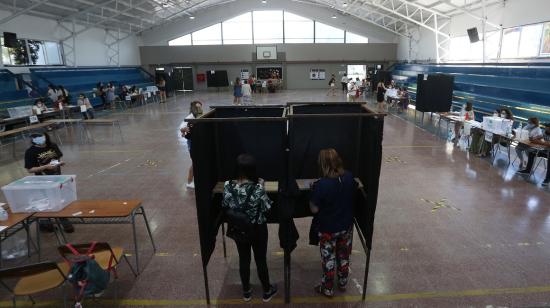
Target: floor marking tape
299, 300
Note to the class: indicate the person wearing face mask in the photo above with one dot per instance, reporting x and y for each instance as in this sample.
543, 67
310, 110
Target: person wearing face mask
195, 111
43, 157
535, 134
545, 142
39, 107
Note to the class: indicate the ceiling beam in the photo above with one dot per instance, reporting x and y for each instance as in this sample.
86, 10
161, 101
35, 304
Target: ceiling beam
469, 13
110, 9
22, 11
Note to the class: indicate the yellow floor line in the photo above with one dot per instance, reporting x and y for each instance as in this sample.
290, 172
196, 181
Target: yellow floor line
299, 300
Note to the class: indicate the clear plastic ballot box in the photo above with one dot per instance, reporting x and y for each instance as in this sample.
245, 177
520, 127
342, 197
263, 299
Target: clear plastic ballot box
46, 193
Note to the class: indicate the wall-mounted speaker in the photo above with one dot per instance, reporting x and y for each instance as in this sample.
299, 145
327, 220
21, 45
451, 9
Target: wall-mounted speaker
473, 35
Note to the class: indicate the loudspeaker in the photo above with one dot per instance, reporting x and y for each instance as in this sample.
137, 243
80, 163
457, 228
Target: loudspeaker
10, 40
473, 35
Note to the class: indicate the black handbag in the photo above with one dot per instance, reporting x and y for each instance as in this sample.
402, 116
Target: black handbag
240, 228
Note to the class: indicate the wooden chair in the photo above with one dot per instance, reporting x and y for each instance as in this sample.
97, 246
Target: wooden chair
35, 278
103, 254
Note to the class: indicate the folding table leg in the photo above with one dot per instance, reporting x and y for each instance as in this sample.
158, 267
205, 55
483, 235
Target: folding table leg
223, 241
148, 228
120, 131
135, 243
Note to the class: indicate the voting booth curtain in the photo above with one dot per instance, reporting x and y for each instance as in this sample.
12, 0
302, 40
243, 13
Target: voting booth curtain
285, 142
434, 94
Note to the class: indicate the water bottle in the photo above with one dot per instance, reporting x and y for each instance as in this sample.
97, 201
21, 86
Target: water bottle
3, 214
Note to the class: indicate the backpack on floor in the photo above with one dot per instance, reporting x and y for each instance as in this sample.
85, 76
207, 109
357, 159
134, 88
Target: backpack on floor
85, 274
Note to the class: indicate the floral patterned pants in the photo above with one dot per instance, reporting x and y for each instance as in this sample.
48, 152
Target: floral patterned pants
335, 251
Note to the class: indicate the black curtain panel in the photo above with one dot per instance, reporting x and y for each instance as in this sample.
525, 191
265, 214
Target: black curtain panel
434, 94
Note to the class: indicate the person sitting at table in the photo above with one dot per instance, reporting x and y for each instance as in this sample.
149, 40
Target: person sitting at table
544, 141
43, 157
332, 203
535, 134
39, 107
88, 111
403, 100
248, 195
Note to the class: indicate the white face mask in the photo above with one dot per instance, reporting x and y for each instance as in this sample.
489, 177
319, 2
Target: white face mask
503, 115
39, 140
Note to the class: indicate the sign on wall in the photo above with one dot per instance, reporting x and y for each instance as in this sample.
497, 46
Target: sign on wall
317, 74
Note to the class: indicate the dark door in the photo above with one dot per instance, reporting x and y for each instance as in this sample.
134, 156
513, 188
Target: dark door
183, 78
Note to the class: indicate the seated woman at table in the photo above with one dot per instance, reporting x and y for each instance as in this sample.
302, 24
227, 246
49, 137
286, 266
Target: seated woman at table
43, 157
39, 107
504, 113
403, 100
87, 111
545, 142
248, 195
332, 203
535, 134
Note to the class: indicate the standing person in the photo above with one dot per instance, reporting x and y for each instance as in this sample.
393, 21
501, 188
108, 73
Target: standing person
332, 85
100, 91
247, 92
344, 82
110, 96
52, 93
64, 94
352, 90
247, 194
195, 111
332, 203
380, 90
87, 111
162, 89
237, 92
43, 157
535, 134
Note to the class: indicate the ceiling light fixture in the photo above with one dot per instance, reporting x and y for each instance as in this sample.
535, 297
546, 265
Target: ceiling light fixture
264, 1
345, 4
333, 17
191, 17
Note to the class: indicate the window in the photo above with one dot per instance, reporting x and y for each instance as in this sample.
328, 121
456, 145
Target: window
32, 52
529, 43
53, 53
492, 44
298, 29
545, 46
510, 43
181, 41
208, 36
328, 34
460, 48
352, 38
268, 27
238, 30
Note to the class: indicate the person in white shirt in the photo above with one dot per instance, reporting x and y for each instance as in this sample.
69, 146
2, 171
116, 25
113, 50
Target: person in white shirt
39, 107
352, 90
247, 92
344, 82
88, 110
535, 133
195, 111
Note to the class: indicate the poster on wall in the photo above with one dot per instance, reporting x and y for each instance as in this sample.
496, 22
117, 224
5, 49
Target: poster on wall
317, 74
545, 46
245, 74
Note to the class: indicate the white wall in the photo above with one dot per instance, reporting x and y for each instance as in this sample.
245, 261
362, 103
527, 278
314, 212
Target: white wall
176, 28
513, 13
90, 46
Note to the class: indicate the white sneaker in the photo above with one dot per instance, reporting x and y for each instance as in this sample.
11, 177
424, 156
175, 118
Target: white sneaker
191, 185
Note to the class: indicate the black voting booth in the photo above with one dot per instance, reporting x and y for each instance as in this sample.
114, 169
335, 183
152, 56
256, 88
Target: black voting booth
285, 142
434, 94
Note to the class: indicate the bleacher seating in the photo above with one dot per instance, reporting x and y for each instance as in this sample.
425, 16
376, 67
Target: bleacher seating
10, 96
523, 89
84, 80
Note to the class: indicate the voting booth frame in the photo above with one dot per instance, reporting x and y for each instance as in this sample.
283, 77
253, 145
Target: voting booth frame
285, 140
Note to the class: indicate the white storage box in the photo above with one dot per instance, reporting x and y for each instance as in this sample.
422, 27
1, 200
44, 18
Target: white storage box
497, 125
45, 193
20, 112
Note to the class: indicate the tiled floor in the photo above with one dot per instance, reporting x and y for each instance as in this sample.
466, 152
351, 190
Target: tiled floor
484, 245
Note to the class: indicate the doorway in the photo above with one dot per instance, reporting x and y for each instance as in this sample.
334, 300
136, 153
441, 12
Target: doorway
357, 71
183, 79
